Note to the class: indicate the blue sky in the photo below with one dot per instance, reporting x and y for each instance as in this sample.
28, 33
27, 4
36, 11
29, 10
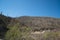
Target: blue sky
16, 8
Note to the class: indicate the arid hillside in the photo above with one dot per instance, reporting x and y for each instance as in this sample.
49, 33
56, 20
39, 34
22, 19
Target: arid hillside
29, 28
40, 23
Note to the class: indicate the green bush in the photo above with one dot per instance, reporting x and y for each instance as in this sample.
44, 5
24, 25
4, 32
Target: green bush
17, 33
13, 33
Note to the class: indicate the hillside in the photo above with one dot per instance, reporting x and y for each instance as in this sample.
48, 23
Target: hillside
28, 28
40, 22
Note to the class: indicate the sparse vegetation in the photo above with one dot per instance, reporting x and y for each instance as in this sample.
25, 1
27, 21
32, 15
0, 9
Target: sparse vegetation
21, 27
51, 36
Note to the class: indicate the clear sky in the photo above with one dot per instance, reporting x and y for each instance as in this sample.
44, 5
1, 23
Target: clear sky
15, 8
